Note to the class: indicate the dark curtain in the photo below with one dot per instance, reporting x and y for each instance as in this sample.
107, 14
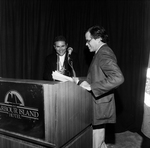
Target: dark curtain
28, 27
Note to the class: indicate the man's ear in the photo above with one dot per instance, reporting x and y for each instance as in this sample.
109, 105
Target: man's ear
99, 39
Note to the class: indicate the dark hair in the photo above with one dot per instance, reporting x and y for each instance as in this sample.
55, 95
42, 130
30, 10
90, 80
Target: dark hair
98, 31
60, 38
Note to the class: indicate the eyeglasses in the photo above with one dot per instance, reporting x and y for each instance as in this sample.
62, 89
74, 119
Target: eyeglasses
88, 41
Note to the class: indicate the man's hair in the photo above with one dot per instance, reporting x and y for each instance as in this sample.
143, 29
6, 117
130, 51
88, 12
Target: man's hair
97, 32
60, 38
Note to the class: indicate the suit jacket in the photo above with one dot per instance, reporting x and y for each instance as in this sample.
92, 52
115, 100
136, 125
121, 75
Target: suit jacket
104, 75
51, 65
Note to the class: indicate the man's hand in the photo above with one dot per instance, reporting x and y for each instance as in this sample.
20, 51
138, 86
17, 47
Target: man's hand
86, 85
75, 80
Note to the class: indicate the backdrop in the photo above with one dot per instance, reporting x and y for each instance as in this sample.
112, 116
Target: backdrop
28, 27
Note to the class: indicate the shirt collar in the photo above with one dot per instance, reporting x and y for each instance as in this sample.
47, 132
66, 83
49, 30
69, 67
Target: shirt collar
99, 47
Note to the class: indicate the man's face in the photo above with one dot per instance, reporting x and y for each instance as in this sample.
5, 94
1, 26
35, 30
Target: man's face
93, 44
60, 47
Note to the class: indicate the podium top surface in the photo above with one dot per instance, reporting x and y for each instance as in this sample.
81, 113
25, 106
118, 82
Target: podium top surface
28, 81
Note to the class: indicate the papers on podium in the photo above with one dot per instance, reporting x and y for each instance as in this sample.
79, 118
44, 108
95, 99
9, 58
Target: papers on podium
60, 77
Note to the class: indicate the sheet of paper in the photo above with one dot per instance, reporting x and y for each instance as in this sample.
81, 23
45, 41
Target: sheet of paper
60, 77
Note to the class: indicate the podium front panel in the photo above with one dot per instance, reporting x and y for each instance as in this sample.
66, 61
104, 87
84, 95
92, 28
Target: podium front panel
22, 109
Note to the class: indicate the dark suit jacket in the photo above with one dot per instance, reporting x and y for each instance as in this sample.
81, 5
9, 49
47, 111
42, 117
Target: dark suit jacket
104, 75
51, 65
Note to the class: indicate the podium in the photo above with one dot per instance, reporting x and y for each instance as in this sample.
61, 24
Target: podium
42, 114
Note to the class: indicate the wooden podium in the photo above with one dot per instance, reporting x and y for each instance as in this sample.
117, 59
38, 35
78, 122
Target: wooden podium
42, 114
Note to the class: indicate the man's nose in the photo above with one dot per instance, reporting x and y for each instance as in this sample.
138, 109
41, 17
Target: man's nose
60, 49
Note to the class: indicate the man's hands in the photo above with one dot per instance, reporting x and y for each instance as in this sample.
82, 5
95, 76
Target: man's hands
75, 80
86, 85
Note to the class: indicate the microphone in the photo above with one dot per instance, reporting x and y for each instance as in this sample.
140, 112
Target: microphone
70, 49
70, 62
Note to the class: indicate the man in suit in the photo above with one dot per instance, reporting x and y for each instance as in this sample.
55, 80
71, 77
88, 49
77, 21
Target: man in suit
62, 60
104, 75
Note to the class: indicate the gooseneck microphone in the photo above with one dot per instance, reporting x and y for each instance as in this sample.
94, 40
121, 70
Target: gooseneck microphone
70, 49
70, 62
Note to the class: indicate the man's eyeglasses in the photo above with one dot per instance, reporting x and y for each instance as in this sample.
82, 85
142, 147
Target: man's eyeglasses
88, 41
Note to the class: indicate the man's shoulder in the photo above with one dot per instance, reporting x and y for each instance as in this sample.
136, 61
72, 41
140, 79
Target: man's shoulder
106, 53
106, 49
51, 57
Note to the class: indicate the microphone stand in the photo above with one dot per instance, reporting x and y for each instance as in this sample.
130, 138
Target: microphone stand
70, 62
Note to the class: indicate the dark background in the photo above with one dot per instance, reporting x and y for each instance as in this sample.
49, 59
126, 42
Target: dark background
28, 28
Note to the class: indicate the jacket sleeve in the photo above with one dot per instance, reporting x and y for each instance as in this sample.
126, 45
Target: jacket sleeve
109, 75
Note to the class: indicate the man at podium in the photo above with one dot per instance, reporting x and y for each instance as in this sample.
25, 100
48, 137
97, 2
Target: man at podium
104, 75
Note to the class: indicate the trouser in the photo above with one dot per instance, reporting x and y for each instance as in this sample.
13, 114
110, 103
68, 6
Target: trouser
99, 138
